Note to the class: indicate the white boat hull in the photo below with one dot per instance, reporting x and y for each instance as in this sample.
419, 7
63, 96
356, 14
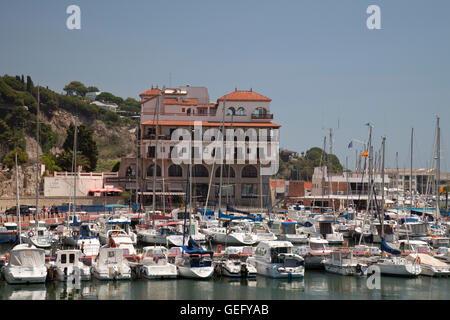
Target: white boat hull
168, 271
195, 273
25, 275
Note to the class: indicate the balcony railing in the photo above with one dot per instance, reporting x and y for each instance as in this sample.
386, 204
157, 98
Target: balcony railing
262, 116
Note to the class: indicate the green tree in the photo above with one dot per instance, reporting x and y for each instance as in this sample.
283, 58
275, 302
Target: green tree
30, 84
85, 144
131, 105
64, 160
50, 160
10, 159
115, 167
92, 89
77, 88
109, 97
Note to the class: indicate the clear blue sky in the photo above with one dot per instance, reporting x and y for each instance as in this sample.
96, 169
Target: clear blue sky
315, 59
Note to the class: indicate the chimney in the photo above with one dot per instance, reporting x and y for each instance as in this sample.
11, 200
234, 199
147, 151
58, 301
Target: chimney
251, 89
235, 89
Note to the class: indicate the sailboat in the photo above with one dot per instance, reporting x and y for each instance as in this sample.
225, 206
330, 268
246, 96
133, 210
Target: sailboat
26, 262
393, 265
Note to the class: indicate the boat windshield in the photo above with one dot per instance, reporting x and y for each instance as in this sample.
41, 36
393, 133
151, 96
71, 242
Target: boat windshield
317, 246
274, 252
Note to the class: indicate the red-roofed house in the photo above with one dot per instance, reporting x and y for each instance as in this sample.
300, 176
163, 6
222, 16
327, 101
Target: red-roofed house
182, 108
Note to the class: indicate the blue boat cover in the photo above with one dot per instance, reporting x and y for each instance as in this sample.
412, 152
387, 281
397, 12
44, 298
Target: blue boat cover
207, 212
194, 248
385, 247
444, 212
230, 208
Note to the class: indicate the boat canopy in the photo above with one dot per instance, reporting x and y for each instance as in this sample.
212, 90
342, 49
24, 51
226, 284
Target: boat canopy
27, 257
251, 217
115, 205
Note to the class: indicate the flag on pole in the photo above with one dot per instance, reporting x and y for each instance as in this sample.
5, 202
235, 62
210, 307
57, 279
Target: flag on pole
350, 145
365, 154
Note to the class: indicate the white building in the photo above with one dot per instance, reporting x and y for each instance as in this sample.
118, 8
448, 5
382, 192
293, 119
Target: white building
108, 106
92, 95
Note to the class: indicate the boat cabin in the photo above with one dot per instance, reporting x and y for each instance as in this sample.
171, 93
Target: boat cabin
154, 255
110, 256
414, 246
65, 258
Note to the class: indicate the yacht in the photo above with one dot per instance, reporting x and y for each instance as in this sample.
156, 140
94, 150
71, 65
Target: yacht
233, 263
26, 265
163, 234
155, 264
236, 235
290, 233
39, 236
68, 263
430, 266
329, 231
8, 233
314, 253
88, 242
194, 262
398, 266
116, 222
275, 259
111, 265
344, 263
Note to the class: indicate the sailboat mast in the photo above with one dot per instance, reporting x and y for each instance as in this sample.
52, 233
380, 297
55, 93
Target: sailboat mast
155, 162
438, 168
75, 169
222, 153
411, 171
37, 156
17, 198
382, 188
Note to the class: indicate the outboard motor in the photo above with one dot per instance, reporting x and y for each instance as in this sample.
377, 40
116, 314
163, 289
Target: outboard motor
244, 271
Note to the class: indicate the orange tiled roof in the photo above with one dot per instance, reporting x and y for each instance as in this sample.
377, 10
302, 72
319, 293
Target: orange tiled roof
151, 92
186, 102
212, 124
239, 95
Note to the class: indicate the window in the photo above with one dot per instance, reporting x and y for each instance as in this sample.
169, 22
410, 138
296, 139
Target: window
175, 171
249, 172
72, 258
240, 112
150, 171
63, 258
199, 170
231, 111
130, 172
151, 152
111, 254
227, 171
249, 190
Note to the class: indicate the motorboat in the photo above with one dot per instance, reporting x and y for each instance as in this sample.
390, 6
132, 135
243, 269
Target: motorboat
155, 264
167, 234
68, 264
26, 265
443, 254
87, 241
314, 253
116, 222
194, 262
329, 232
398, 266
8, 233
275, 259
430, 266
111, 265
234, 235
233, 263
343, 262
289, 233
263, 233
39, 236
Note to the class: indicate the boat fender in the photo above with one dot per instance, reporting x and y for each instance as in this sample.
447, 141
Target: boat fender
7, 257
30, 234
418, 260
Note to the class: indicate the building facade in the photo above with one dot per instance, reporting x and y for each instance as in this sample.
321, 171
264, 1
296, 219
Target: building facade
181, 132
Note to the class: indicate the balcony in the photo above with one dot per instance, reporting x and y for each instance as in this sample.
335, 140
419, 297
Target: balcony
262, 116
